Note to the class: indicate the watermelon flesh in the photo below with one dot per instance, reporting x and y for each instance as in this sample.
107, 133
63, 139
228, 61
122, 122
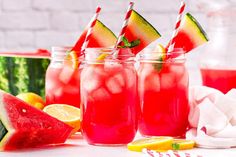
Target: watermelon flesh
22, 126
100, 37
140, 28
190, 34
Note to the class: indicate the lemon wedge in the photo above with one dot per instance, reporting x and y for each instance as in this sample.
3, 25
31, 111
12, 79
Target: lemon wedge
152, 143
181, 144
65, 113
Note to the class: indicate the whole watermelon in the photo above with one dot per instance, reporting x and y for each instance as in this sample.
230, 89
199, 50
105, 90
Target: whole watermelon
19, 75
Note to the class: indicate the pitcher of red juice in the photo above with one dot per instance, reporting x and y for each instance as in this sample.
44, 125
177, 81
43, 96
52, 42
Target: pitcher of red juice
62, 79
163, 93
109, 97
218, 62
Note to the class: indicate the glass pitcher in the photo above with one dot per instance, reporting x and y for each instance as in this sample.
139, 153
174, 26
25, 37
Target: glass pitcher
218, 62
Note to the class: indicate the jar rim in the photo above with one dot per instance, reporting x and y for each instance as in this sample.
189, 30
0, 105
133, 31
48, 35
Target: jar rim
101, 55
155, 56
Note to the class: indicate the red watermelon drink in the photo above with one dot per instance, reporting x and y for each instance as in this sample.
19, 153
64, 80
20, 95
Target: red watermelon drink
62, 80
221, 79
163, 92
108, 97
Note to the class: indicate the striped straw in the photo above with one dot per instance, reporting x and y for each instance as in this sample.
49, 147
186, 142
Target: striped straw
125, 23
177, 25
90, 29
169, 153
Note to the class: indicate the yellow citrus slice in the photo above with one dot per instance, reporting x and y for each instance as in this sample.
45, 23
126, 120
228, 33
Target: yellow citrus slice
152, 143
161, 49
32, 99
181, 144
65, 113
72, 59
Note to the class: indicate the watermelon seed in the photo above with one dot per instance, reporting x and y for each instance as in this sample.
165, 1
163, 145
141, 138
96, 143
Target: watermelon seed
24, 110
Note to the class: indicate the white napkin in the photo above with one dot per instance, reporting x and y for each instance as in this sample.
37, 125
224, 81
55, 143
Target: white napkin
212, 117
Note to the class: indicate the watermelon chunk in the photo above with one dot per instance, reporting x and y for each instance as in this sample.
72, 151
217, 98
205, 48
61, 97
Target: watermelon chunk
100, 37
23, 126
140, 28
190, 34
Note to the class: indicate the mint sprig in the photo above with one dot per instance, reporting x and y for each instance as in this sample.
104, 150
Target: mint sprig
175, 146
128, 44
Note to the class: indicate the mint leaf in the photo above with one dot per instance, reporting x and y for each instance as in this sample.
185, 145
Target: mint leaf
135, 43
175, 146
158, 66
128, 44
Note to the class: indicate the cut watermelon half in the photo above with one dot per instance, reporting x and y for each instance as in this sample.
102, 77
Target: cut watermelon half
139, 28
23, 126
101, 36
190, 34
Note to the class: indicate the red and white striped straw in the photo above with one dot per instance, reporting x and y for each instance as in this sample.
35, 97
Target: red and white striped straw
169, 153
177, 25
90, 29
125, 23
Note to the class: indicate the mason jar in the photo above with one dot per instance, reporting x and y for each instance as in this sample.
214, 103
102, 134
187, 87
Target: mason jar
63, 79
163, 93
109, 96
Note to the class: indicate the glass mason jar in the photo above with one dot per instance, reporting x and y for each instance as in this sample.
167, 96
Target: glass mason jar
62, 80
108, 97
163, 93
217, 64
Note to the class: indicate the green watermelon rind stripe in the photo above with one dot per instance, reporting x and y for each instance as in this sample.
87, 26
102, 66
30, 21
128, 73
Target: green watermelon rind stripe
145, 21
3, 131
108, 29
197, 24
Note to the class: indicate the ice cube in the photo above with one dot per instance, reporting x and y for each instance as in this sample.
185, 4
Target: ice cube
152, 82
168, 80
178, 70
112, 67
90, 79
66, 74
115, 83
130, 77
101, 94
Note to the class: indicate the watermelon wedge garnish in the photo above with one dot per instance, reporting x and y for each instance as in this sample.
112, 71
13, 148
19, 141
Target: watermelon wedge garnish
190, 34
23, 126
140, 28
101, 36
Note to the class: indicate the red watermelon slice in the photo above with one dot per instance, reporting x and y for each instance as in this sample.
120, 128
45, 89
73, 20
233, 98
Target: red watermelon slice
101, 37
190, 35
22, 126
140, 28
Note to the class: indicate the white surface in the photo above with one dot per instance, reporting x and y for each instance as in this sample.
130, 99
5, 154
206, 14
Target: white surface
77, 147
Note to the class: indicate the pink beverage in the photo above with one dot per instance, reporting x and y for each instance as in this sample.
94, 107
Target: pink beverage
62, 80
221, 79
108, 95
163, 92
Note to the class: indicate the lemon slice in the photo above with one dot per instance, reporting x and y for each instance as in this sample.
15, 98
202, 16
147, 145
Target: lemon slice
65, 113
152, 143
32, 99
72, 59
181, 144
161, 49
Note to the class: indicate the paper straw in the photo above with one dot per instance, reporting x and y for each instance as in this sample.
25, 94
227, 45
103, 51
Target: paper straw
169, 153
90, 29
125, 23
177, 25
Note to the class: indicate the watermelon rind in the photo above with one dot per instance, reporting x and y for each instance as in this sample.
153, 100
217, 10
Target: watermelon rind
101, 36
197, 25
145, 22
104, 34
6, 124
